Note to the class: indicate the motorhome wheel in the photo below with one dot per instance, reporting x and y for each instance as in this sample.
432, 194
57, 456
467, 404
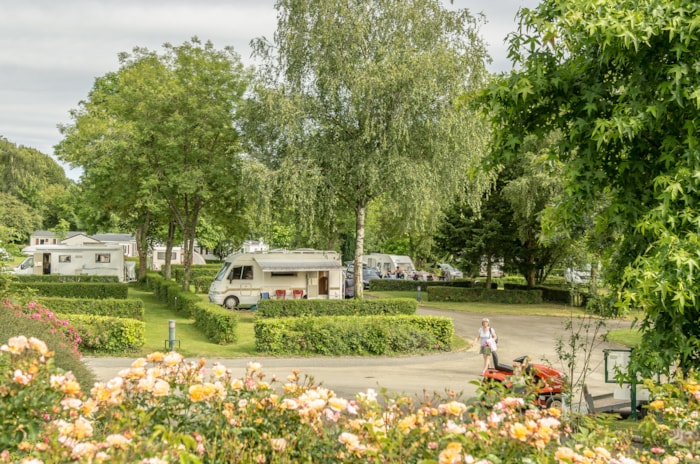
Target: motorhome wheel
231, 302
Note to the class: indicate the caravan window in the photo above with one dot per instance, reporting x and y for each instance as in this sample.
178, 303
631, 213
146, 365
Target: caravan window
241, 273
102, 257
173, 256
64, 258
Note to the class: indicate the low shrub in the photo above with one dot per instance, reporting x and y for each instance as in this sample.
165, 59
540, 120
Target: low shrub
65, 278
104, 307
104, 334
399, 285
218, 324
482, 294
95, 290
60, 337
356, 335
181, 411
348, 307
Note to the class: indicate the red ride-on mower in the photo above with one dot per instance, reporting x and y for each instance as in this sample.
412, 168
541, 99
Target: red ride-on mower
545, 382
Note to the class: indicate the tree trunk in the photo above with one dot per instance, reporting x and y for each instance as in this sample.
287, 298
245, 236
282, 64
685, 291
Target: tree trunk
489, 266
169, 249
360, 212
142, 245
188, 244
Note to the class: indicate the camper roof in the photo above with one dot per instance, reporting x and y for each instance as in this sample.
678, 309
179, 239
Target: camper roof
272, 264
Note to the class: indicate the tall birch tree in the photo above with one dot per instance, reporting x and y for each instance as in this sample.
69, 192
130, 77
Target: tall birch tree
363, 95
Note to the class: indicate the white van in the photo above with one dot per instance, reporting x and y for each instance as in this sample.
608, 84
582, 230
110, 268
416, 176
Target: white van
87, 259
387, 265
245, 278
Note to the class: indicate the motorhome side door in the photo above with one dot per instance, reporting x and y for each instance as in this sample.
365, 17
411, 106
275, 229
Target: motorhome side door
242, 282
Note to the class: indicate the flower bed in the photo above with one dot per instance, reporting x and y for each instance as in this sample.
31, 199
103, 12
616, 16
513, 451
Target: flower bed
165, 409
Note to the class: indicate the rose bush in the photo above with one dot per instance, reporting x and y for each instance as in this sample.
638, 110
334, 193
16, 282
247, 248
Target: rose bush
166, 409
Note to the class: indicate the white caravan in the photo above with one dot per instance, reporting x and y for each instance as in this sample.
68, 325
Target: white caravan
283, 274
387, 265
177, 256
87, 259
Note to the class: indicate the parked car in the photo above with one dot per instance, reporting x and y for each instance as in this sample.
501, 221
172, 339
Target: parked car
449, 272
368, 274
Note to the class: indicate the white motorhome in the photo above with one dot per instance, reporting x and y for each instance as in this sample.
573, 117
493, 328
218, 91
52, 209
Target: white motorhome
177, 256
86, 259
283, 274
388, 264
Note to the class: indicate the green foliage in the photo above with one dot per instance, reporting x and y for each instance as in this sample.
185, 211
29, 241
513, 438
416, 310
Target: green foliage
345, 335
387, 285
66, 356
482, 294
351, 307
553, 295
65, 278
619, 79
170, 117
366, 96
93, 290
217, 323
99, 307
105, 334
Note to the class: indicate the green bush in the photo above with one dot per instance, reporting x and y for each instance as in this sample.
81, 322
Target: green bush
177, 271
350, 307
218, 324
554, 295
65, 278
482, 294
95, 290
12, 324
104, 334
105, 307
399, 285
356, 335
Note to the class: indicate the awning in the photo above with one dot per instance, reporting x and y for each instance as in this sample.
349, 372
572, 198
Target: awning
278, 265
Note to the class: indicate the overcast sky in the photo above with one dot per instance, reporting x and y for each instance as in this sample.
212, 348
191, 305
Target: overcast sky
51, 51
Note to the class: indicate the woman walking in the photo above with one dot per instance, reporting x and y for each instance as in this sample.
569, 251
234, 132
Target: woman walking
485, 334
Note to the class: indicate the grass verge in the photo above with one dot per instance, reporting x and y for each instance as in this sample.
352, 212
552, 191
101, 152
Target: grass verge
191, 340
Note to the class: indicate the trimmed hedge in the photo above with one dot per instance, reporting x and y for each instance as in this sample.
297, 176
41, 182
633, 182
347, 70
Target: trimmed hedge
386, 285
482, 294
94, 290
64, 278
555, 295
353, 335
351, 307
218, 324
177, 271
112, 307
104, 334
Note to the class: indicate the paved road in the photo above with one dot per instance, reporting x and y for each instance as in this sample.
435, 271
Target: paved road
535, 336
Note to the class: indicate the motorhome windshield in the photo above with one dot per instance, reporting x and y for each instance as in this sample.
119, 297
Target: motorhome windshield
223, 271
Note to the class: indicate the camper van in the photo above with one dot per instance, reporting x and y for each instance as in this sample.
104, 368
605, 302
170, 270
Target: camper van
177, 256
283, 274
86, 259
387, 265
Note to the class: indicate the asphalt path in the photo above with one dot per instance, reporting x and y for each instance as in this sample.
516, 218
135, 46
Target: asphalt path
455, 372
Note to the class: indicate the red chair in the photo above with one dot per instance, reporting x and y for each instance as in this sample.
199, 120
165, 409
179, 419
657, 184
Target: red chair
297, 293
281, 294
